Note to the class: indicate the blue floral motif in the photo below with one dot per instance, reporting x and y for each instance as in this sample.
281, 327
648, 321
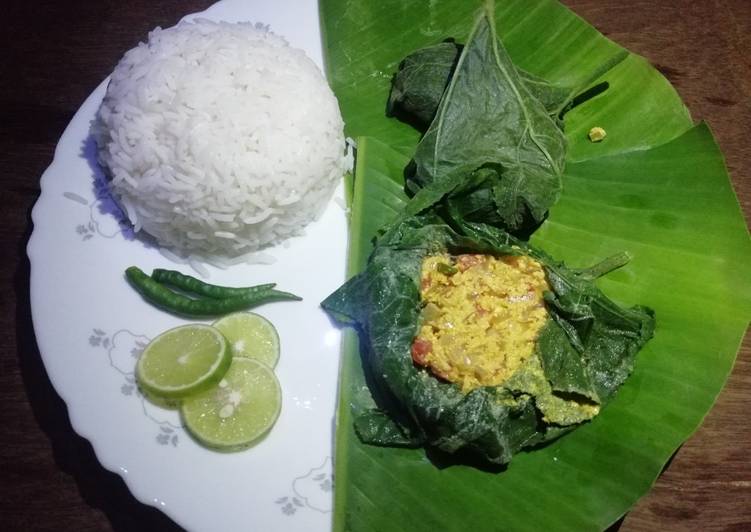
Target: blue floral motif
86, 230
167, 436
122, 348
106, 219
304, 488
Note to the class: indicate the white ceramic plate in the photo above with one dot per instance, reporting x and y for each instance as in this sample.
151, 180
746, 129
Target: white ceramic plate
90, 326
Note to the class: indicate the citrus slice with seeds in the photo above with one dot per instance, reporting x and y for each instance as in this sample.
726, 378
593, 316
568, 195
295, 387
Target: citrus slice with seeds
183, 361
250, 336
239, 410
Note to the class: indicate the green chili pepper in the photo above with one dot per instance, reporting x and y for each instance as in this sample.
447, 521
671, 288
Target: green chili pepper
446, 269
196, 286
171, 301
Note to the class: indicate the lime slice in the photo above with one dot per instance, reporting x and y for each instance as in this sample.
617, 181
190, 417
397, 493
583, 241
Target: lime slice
183, 361
250, 336
239, 410
167, 403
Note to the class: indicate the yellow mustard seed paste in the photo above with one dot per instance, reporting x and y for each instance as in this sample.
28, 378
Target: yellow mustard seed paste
481, 316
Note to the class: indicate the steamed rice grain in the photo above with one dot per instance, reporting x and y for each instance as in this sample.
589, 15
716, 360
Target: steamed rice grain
219, 139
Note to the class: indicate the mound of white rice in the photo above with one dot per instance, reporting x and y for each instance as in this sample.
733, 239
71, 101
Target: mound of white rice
219, 138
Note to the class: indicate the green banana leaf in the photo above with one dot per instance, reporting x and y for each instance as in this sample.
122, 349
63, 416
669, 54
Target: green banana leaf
656, 188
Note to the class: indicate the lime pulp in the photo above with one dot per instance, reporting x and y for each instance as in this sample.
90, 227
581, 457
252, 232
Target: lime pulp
183, 361
250, 336
239, 410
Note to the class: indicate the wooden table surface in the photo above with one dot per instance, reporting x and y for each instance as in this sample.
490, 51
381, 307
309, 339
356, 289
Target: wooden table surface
55, 53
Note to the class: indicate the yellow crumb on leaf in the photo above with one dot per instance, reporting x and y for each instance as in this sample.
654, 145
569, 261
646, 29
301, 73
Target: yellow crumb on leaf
596, 134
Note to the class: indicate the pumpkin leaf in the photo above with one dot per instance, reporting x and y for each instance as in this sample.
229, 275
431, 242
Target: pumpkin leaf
423, 75
489, 126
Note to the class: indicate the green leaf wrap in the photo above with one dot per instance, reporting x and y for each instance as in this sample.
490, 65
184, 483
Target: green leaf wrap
423, 75
492, 147
584, 352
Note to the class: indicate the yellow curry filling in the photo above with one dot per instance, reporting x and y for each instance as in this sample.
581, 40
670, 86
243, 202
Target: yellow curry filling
481, 317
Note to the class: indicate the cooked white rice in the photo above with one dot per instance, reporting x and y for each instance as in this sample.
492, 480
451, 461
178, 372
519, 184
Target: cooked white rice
219, 138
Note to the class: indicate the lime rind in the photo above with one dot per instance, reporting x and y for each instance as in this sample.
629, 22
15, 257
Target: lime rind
166, 370
250, 335
239, 411
167, 403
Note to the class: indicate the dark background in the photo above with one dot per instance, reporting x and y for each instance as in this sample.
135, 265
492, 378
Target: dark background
54, 53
